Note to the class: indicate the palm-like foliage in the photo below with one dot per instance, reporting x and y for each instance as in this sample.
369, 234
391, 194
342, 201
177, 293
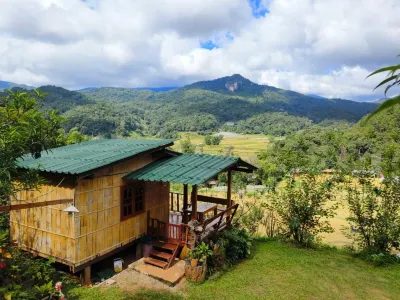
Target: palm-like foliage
393, 79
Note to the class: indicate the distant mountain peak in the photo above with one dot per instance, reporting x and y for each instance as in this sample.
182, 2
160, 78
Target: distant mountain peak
235, 83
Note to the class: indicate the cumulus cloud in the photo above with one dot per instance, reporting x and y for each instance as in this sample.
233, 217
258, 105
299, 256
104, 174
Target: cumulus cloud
322, 47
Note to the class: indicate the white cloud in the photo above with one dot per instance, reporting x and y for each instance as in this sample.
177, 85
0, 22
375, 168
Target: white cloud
324, 47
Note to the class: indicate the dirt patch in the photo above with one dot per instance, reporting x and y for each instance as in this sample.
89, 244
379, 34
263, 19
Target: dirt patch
377, 294
132, 281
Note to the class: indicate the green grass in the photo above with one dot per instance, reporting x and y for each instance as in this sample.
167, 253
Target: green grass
117, 294
279, 271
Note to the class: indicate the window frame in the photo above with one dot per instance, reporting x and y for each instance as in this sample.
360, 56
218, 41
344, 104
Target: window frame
134, 213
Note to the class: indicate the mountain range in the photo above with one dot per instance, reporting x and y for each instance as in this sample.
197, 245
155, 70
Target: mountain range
9, 85
201, 106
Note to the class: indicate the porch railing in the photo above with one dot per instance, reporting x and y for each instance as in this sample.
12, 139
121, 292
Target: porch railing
176, 201
168, 231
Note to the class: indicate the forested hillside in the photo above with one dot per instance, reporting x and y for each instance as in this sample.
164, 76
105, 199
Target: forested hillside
201, 107
205, 106
372, 146
56, 98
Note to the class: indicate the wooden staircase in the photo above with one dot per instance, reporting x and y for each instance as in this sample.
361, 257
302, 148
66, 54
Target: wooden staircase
163, 254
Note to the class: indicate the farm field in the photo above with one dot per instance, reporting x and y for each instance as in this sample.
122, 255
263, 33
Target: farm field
247, 146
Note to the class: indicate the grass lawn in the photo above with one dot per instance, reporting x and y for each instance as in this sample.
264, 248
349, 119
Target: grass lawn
117, 294
278, 271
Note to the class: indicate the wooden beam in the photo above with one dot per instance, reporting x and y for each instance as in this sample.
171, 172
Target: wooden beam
210, 199
242, 170
32, 205
87, 275
229, 191
194, 202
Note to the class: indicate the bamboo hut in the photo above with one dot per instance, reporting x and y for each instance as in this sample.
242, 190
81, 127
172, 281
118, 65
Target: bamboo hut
119, 188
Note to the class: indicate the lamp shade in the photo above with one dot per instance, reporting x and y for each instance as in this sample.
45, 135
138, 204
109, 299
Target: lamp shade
71, 209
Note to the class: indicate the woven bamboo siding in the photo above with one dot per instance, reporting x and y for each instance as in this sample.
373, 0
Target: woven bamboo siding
98, 228
47, 231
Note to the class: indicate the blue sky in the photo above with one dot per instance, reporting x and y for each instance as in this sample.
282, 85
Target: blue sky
258, 10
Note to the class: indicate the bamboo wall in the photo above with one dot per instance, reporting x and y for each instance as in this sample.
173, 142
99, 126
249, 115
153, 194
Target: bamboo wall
98, 228
47, 231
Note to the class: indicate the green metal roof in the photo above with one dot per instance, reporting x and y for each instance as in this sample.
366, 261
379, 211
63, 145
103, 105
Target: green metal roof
185, 168
87, 156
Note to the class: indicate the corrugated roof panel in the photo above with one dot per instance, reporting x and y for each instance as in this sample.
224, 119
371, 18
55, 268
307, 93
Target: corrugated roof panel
186, 168
87, 156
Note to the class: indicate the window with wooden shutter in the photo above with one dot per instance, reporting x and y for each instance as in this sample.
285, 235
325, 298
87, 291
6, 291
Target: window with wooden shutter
138, 198
132, 200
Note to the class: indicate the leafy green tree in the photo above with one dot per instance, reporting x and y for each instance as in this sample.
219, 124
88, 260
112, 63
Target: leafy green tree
392, 80
304, 208
24, 130
187, 146
375, 214
74, 136
213, 139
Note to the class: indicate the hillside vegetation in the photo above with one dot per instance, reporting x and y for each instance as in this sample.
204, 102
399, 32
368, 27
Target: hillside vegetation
365, 146
200, 107
205, 106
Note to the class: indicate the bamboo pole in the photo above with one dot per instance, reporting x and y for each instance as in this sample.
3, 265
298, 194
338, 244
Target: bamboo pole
8, 208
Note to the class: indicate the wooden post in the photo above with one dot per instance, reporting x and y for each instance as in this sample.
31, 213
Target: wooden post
185, 196
194, 202
229, 190
87, 276
185, 203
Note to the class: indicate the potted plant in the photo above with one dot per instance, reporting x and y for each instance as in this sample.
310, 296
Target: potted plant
194, 258
203, 251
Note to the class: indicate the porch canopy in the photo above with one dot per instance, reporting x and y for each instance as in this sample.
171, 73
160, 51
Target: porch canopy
193, 169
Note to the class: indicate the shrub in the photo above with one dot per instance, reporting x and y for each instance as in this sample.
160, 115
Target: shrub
24, 277
303, 209
213, 139
187, 146
253, 218
238, 244
375, 215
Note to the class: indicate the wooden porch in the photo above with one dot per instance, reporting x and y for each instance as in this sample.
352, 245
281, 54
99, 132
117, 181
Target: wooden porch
208, 214
213, 215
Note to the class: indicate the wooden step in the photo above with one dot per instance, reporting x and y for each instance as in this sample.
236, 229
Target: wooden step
155, 262
161, 254
166, 246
